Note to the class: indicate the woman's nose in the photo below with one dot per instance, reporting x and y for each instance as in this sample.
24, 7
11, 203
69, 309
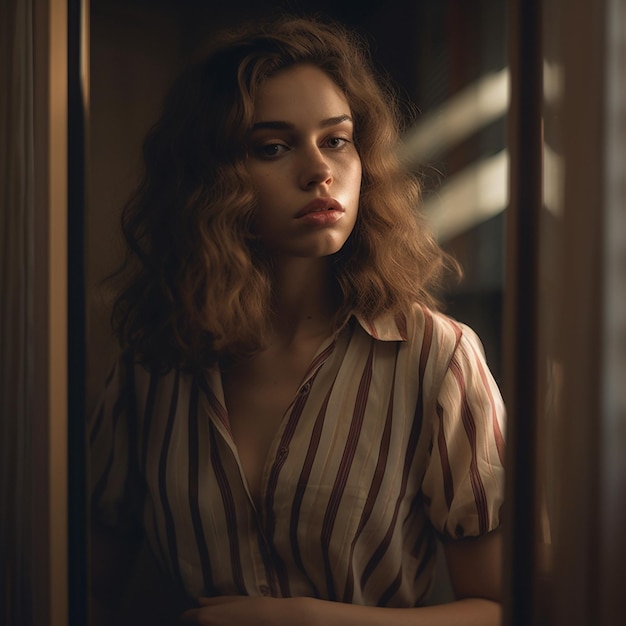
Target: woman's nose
315, 169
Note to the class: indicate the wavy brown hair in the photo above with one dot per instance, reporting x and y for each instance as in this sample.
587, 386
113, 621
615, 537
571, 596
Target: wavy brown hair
195, 284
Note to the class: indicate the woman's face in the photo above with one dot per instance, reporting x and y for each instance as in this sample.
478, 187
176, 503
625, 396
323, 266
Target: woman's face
303, 164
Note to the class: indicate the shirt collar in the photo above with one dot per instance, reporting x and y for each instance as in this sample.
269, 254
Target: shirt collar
386, 327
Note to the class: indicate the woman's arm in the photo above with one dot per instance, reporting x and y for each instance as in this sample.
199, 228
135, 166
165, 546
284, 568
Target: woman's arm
475, 571
475, 566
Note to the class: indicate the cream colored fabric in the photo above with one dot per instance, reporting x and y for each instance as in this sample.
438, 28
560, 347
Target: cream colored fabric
395, 434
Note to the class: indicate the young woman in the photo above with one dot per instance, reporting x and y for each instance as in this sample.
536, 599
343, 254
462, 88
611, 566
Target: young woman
292, 424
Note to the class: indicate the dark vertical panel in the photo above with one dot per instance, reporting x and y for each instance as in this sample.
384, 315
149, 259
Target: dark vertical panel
41, 310
520, 341
77, 505
577, 571
18, 214
613, 468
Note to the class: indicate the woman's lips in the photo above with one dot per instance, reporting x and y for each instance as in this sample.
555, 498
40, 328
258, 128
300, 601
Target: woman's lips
320, 205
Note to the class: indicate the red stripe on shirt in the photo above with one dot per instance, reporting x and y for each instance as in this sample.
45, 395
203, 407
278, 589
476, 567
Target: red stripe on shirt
381, 464
344, 470
230, 514
416, 428
194, 505
170, 529
469, 423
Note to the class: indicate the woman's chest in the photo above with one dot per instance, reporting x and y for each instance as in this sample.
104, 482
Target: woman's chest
344, 462
340, 432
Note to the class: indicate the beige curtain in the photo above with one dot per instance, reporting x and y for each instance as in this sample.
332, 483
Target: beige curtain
17, 356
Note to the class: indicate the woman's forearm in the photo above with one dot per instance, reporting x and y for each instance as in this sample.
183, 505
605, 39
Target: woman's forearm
468, 612
263, 611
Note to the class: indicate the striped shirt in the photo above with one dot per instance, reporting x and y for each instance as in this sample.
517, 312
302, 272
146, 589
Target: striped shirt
394, 437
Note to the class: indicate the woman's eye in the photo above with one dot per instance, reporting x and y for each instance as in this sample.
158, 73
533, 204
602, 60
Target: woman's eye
270, 150
337, 142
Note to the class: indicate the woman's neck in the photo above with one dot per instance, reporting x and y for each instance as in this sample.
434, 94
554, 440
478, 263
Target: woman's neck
305, 299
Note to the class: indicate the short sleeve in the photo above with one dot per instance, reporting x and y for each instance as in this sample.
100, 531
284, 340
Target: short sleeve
464, 481
113, 478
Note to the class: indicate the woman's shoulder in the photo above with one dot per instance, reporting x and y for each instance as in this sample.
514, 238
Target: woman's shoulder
424, 322
421, 327
440, 335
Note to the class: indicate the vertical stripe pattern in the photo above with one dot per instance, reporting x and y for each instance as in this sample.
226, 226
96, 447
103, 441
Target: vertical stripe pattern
396, 435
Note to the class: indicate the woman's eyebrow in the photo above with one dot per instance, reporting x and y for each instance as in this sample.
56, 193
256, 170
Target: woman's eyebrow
280, 125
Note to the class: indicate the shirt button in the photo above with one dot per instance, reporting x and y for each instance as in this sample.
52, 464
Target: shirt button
282, 453
265, 590
305, 389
